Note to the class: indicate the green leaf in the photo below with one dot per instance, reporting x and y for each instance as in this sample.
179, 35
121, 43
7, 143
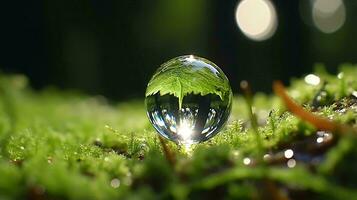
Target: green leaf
187, 75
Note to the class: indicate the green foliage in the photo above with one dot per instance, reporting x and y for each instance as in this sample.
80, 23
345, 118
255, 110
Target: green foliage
63, 145
180, 78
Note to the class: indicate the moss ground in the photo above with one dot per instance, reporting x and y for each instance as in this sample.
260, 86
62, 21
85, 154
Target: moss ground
64, 145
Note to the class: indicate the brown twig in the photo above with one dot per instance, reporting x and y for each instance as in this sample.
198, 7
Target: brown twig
319, 122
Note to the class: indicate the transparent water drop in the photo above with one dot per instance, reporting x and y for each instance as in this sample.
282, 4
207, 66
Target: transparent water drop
188, 100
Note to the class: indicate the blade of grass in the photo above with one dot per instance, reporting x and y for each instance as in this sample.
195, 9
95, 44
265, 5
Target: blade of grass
169, 155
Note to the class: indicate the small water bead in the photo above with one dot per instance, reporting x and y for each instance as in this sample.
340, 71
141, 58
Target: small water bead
115, 183
312, 79
247, 161
188, 100
354, 93
319, 139
288, 153
291, 163
267, 157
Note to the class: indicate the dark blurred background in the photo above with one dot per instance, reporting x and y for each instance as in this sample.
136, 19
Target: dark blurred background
113, 47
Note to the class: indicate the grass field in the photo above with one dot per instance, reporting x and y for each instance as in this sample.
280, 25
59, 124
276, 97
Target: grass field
64, 145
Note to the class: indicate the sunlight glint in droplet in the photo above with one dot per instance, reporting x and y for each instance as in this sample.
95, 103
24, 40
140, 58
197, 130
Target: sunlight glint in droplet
190, 58
185, 130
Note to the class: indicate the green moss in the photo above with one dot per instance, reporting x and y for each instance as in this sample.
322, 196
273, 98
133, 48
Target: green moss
64, 145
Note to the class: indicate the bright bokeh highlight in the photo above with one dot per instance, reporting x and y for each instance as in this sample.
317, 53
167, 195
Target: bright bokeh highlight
257, 19
312, 79
328, 15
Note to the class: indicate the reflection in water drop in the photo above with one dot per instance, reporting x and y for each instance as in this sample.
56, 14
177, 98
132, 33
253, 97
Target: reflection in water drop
199, 119
256, 19
328, 15
188, 100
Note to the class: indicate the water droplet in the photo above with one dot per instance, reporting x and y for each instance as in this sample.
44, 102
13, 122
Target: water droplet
319, 139
128, 179
49, 159
235, 154
340, 75
246, 161
115, 183
354, 93
188, 100
288, 153
312, 79
291, 163
267, 157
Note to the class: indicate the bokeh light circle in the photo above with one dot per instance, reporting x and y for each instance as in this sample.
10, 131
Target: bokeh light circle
328, 15
257, 19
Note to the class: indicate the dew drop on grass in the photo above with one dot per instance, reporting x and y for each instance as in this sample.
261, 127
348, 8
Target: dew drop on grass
201, 113
291, 163
115, 183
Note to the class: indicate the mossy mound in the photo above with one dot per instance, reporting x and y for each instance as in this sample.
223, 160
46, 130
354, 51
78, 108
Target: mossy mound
63, 145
